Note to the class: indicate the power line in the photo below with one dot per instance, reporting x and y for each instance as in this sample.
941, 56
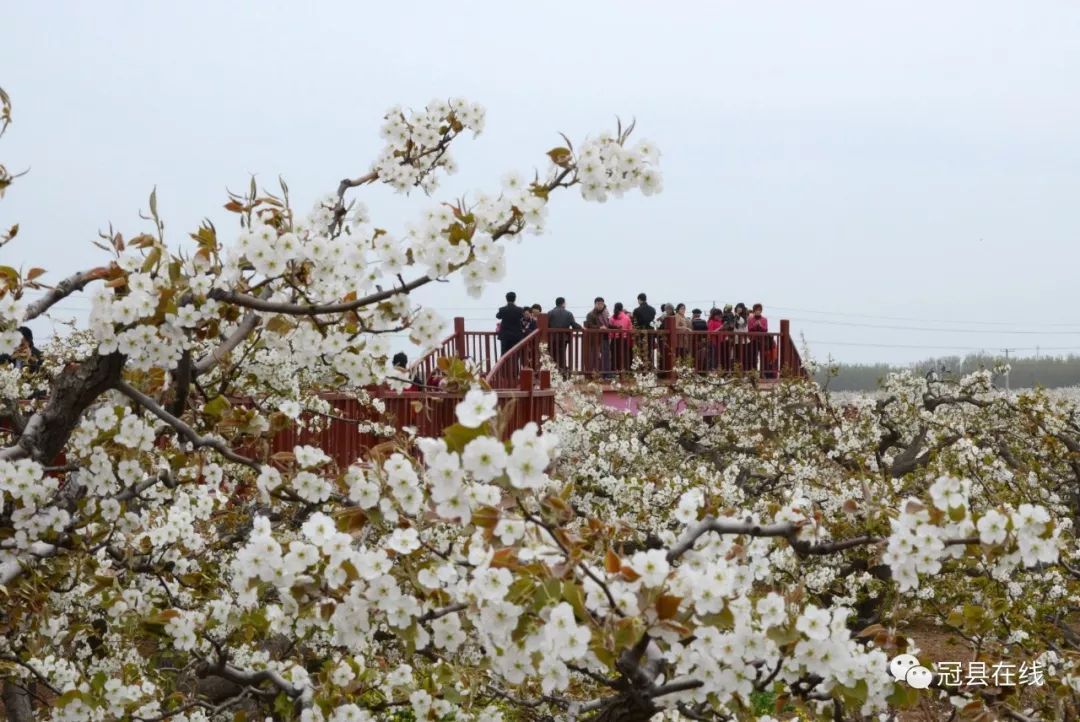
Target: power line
972, 322
937, 330
943, 348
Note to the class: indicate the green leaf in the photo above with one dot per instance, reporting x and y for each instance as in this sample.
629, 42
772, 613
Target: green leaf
903, 696
783, 635
545, 593
854, 696
627, 632
457, 436
283, 706
572, 593
280, 325
560, 156
604, 655
152, 259
70, 696
217, 406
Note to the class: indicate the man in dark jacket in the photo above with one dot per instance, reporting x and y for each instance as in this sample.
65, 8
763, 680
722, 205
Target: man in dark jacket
561, 321
643, 317
511, 328
644, 314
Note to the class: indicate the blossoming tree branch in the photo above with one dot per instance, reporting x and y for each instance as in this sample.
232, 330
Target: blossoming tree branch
159, 562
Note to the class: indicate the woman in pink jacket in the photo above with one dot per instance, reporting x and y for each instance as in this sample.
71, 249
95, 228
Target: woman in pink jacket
715, 327
620, 339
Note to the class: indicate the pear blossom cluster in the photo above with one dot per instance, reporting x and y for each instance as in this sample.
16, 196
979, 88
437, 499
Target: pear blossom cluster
412, 135
608, 168
922, 537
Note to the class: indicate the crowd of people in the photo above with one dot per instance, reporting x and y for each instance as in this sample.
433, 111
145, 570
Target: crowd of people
611, 345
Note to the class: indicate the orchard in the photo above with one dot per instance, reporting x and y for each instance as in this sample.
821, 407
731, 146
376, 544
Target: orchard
751, 555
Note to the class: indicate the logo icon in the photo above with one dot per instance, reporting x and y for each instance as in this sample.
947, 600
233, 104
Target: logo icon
906, 668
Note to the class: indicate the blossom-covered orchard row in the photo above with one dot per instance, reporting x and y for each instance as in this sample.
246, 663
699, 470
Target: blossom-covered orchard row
158, 562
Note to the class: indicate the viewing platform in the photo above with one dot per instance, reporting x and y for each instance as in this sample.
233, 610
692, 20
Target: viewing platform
524, 387
605, 354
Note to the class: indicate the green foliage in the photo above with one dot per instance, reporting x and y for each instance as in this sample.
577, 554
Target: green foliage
1026, 372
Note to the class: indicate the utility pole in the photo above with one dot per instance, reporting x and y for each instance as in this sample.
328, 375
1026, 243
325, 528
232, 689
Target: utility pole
1008, 370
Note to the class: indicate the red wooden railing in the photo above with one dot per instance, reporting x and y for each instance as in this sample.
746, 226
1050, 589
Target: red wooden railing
424, 367
482, 348
604, 353
429, 412
525, 355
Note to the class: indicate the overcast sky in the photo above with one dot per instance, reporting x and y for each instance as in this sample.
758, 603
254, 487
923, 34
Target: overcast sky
852, 165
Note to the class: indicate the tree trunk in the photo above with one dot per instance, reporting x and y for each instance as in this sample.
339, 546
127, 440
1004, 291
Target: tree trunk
72, 392
17, 707
626, 709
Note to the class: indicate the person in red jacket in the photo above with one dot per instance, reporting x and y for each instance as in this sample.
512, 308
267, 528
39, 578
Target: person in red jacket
715, 327
757, 322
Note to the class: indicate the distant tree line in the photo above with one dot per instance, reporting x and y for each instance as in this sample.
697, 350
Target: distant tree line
1045, 371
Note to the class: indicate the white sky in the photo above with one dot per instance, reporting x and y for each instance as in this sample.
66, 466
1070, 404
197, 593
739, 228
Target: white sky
842, 162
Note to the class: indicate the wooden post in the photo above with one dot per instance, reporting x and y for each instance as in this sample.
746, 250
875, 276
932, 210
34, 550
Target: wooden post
672, 340
525, 415
785, 348
459, 336
545, 379
541, 338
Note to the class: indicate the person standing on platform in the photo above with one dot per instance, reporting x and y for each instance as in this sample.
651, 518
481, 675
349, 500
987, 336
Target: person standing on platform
682, 326
763, 349
620, 338
597, 353
561, 321
715, 327
511, 324
643, 317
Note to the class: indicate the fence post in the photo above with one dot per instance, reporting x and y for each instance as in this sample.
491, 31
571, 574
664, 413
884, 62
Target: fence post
525, 415
672, 340
459, 336
785, 347
541, 337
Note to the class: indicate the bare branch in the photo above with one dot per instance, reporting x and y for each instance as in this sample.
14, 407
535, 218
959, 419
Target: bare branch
788, 530
189, 433
313, 309
437, 613
246, 327
250, 678
66, 287
30, 668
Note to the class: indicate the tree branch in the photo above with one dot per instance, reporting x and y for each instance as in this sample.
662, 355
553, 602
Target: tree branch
189, 433
66, 287
788, 530
313, 309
